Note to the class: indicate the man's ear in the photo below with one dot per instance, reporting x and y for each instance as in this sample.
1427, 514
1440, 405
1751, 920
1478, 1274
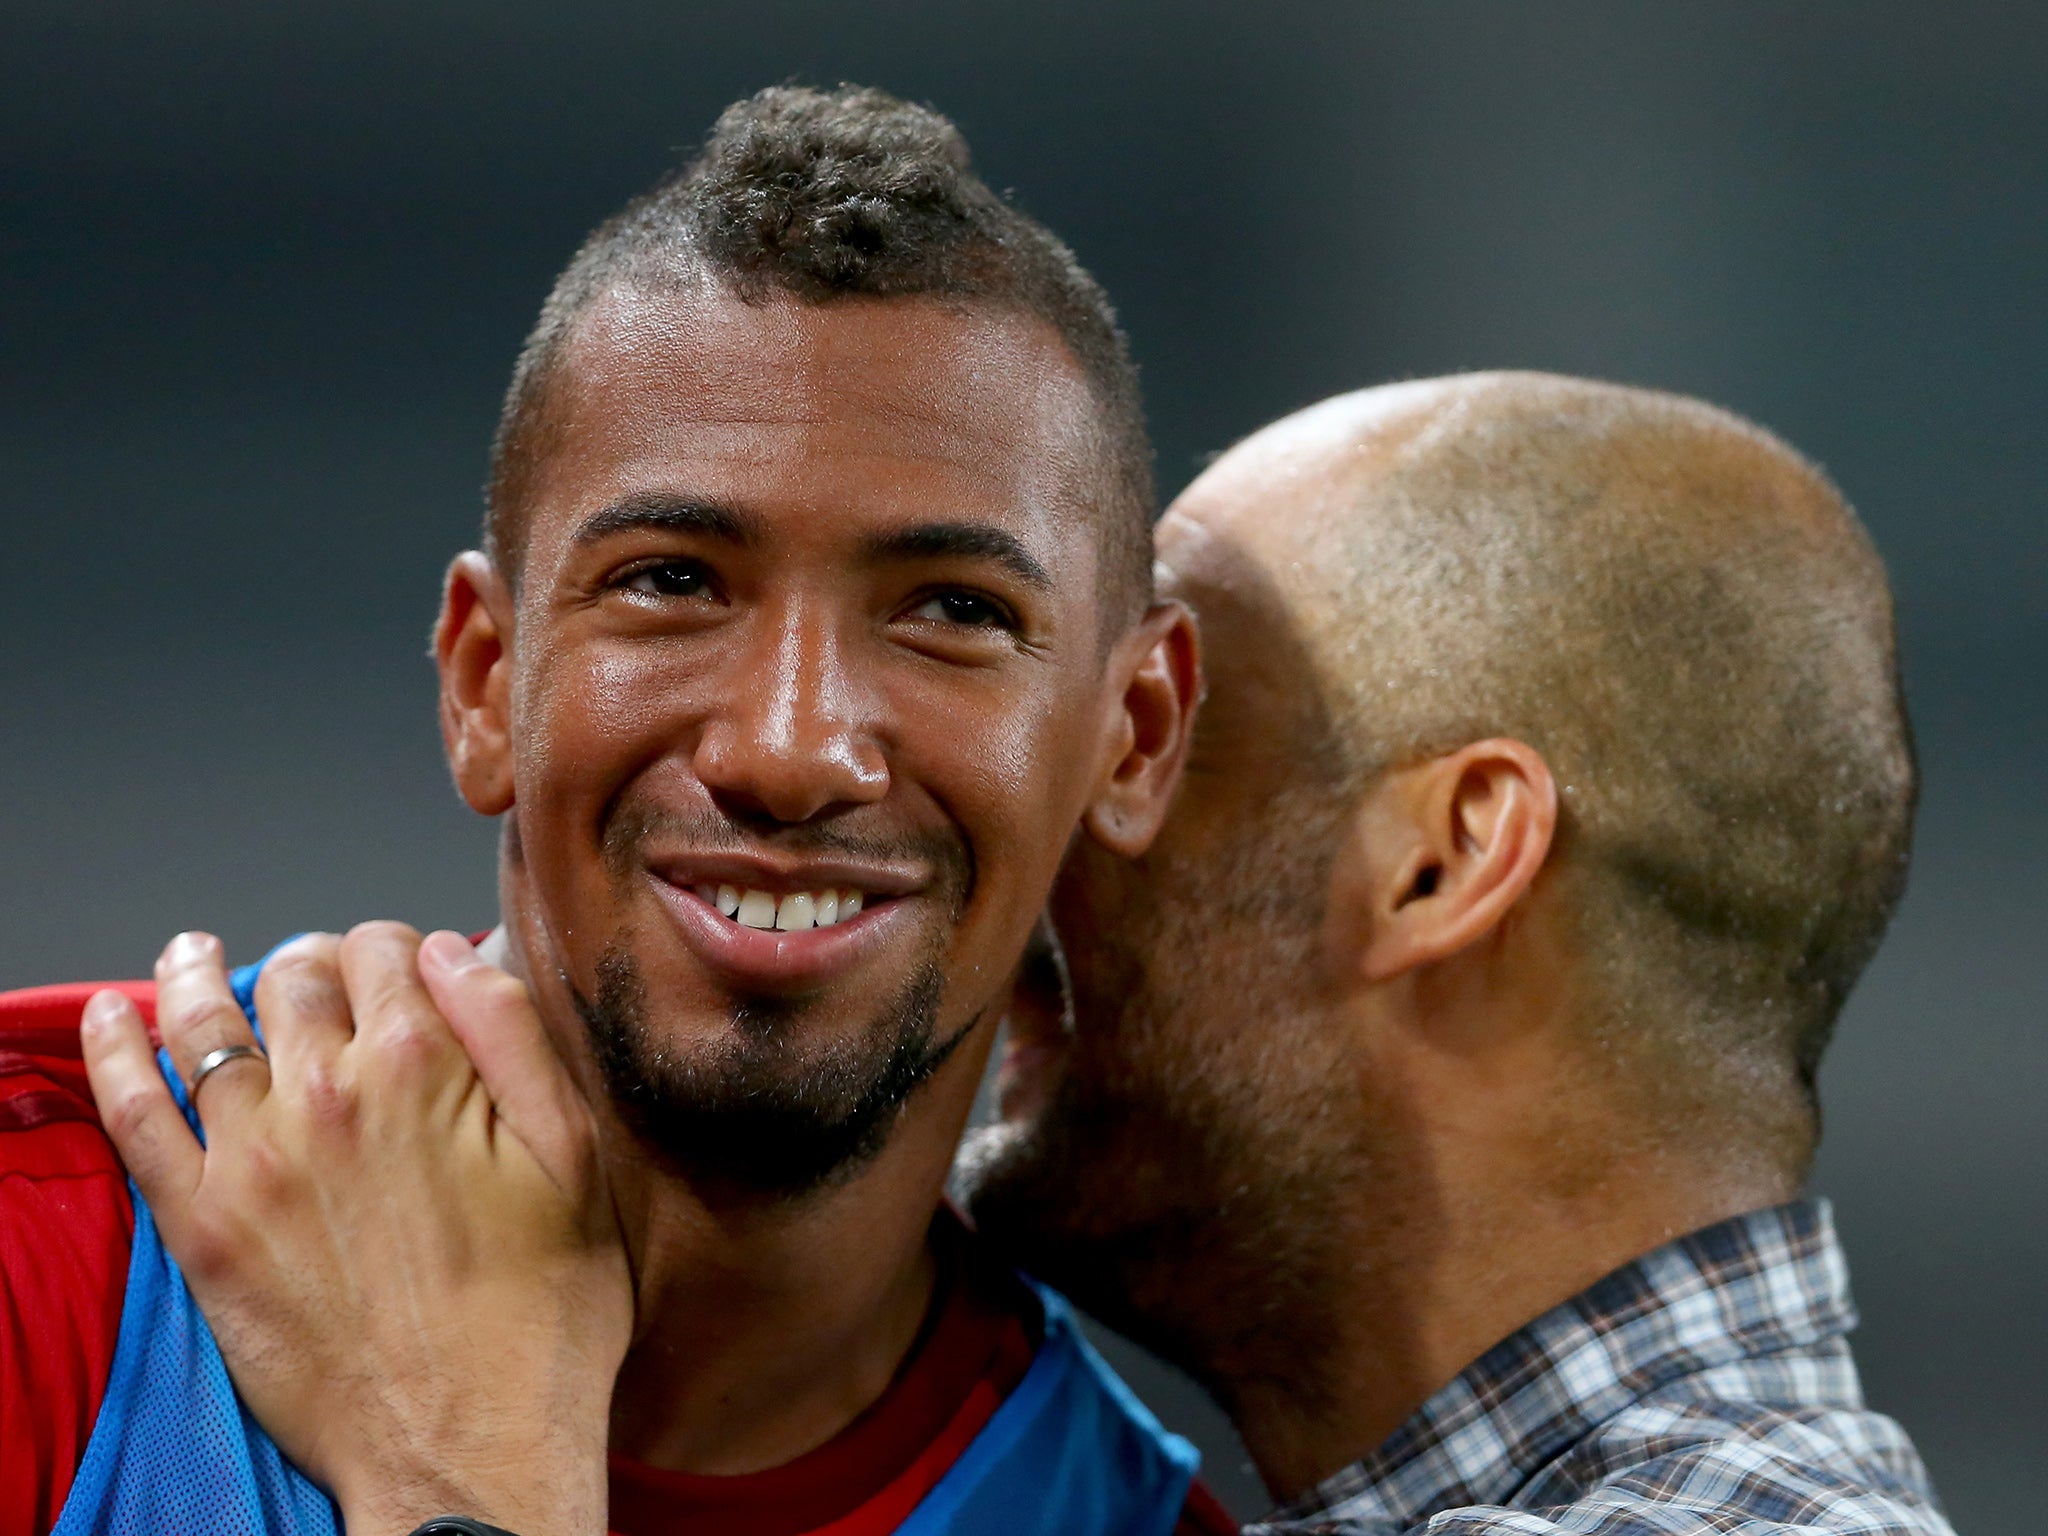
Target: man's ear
1149, 742
473, 650
1444, 849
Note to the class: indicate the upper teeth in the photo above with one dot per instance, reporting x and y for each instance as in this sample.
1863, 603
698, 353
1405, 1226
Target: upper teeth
764, 909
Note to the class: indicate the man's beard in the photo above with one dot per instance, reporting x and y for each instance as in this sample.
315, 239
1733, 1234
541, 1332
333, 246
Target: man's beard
1173, 1185
761, 1115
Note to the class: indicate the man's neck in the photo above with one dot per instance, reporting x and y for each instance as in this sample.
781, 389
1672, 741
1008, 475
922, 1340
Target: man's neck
763, 1332
766, 1326
1502, 1169
1441, 1293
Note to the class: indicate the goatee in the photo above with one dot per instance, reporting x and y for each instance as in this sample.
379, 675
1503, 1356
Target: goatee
762, 1115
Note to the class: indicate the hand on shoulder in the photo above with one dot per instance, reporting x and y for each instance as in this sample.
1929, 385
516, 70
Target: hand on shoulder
398, 1227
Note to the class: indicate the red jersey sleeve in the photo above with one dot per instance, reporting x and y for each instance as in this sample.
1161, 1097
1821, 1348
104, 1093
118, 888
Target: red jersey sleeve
65, 1228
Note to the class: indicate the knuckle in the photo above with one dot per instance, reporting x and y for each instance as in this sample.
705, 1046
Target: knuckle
267, 1175
301, 958
190, 1015
409, 1039
329, 1097
317, 948
127, 1117
501, 989
305, 982
208, 1249
379, 933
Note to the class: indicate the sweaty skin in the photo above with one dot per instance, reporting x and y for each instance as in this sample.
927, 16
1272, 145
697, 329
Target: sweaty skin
809, 601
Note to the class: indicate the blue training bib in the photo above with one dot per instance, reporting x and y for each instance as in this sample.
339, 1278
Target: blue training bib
1070, 1452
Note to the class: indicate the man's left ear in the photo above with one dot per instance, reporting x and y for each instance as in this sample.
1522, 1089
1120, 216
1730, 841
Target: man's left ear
1148, 743
473, 653
1450, 845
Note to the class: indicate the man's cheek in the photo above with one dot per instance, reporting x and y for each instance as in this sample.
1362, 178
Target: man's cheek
1008, 899
586, 732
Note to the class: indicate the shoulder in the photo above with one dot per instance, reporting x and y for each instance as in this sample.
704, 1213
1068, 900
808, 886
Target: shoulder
42, 1073
52, 1149
59, 1007
65, 1227
1820, 1466
1699, 1464
1070, 1443
42, 1022
1793, 1468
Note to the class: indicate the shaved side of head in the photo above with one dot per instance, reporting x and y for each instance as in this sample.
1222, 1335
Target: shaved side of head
830, 197
1688, 622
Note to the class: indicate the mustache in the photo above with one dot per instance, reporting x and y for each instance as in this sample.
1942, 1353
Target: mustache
633, 823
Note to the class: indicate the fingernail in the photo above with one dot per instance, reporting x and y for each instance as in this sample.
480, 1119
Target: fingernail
450, 951
191, 949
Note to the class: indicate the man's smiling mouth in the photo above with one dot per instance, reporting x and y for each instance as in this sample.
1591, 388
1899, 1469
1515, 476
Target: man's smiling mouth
792, 913
793, 920
759, 937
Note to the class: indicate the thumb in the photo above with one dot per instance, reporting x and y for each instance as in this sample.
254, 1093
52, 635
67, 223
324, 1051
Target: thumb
492, 1014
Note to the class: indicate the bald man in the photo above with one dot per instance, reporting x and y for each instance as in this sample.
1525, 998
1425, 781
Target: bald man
1439, 1090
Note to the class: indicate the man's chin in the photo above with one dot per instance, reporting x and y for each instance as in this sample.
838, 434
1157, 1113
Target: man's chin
763, 1111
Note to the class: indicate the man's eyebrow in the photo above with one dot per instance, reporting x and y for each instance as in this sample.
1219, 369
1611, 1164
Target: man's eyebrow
972, 541
670, 514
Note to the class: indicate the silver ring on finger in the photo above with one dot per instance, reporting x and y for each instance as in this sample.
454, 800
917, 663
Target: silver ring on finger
213, 1061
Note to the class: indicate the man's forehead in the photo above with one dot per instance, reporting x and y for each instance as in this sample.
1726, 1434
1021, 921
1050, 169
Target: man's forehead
916, 366
696, 391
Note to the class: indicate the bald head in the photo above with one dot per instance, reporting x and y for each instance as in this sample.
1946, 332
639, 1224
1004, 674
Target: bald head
1674, 608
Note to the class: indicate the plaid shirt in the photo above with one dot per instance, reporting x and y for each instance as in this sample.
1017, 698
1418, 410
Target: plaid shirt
1705, 1388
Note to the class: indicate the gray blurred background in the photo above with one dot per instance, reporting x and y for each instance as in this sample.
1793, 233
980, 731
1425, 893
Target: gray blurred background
263, 270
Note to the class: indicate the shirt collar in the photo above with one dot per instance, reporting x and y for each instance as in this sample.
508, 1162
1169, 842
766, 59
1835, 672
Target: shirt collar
1753, 1285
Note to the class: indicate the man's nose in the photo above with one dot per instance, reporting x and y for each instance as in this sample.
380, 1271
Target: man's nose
792, 740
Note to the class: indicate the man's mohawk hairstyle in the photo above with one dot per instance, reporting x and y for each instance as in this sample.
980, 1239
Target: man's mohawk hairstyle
854, 193
829, 195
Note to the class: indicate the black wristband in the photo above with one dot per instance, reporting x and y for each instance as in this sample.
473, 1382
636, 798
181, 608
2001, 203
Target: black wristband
459, 1525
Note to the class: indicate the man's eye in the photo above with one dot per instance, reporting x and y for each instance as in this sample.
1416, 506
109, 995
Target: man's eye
671, 578
969, 609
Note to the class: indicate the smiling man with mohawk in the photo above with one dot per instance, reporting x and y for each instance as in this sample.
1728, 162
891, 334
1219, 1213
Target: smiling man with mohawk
813, 619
